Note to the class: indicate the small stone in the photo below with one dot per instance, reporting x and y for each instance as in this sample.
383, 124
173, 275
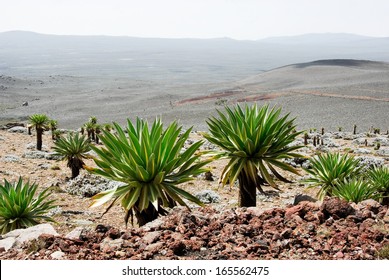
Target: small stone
208, 176
155, 247
75, 233
57, 255
151, 237
34, 154
120, 254
108, 244
208, 196
82, 223
302, 197
339, 255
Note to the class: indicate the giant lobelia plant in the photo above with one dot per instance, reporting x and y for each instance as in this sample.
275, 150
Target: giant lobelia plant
256, 141
20, 207
151, 162
40, 123
331, 169
74, 149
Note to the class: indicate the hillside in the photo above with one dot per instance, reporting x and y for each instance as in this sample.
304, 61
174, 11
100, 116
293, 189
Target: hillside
280, 227
325, 93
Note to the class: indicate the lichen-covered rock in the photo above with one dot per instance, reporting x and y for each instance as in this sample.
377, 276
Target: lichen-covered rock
87, 185
10, 158
17, 129
208, 196
368, 162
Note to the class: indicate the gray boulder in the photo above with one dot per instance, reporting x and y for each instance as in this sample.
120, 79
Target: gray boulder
383, 152
208, 196
53, 156
362, 151
15, 238
11, 158
384, 141
87, 185
369, 162
34, 154
18, 129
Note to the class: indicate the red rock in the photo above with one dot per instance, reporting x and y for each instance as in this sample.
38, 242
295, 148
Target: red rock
151, 237
178, 247
336, 208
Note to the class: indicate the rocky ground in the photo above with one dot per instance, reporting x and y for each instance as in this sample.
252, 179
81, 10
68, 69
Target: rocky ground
275, 229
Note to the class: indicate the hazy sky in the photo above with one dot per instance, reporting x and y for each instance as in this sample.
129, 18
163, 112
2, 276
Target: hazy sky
238, 19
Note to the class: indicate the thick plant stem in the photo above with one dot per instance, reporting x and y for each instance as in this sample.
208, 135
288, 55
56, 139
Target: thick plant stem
75, 171
39, 133
247, 191
146, 215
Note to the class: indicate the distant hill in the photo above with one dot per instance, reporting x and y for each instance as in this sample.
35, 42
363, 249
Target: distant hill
177, 60
339, 75
321, 38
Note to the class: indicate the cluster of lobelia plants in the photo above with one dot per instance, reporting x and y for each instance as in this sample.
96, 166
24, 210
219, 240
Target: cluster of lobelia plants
151, 162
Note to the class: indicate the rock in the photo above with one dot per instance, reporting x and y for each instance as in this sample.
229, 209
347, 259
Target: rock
57, 255
7, 243
151, 237
384, 141
18, 129
336, 208
102, 228
10, 125
154, 247
152, 225
370, 204
362, 151
386, 217
87, 185
297, 162
108, 244
323, 149
303, 197
82, 223
331, 144
360, 141
208, 196
383, 152
25, 103
75, 233
208, 176
254, 211
44, 166
11, 158
120, 254
19, 236
306, 165
178, 247
53, 156
91, 154
367, 162
34, 154
301, 209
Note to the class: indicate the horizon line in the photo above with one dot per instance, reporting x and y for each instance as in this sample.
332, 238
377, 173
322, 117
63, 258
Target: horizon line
197, 38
